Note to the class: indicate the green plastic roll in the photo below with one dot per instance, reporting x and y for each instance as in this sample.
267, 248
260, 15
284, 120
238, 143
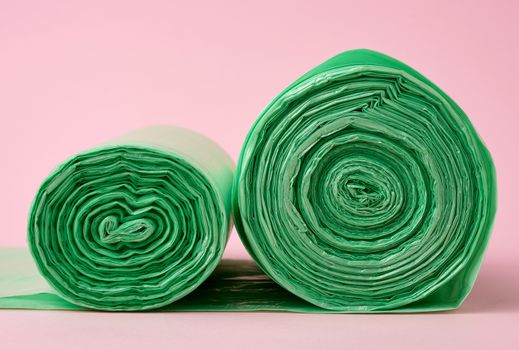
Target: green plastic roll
363, 187
135, 223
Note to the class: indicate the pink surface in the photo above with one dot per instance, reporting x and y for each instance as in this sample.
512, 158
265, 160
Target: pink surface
73, 75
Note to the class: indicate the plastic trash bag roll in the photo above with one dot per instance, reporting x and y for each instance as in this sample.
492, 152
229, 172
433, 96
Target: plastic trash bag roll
135, 223
363, 187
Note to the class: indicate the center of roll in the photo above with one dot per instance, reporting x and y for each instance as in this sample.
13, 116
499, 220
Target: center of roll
362, 194
133, 230
356, 192
360, 189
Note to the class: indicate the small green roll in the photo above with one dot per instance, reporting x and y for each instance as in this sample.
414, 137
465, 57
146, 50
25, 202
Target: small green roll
135, 223
363, 187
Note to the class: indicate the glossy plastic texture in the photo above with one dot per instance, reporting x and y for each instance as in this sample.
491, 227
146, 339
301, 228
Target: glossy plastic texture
363, 187
135, 223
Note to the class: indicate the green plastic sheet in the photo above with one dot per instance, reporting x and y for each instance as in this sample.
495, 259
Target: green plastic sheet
135, 223
363, 187
235, 285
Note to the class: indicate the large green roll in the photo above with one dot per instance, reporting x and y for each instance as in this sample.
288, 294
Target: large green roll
363, 187
135, 223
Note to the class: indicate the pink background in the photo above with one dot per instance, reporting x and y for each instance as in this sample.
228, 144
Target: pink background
75, 74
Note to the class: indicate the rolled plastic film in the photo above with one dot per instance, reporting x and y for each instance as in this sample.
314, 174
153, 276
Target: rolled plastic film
135, 223
363, 187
